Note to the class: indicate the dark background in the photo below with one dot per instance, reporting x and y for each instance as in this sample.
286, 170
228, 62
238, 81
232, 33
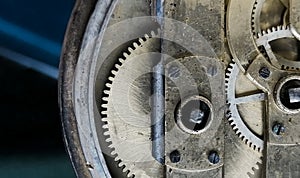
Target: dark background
30, 131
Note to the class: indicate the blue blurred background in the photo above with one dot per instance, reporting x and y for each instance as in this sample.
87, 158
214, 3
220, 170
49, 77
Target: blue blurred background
31, 35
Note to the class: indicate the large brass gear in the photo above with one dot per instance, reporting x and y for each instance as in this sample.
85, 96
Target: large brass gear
127, 109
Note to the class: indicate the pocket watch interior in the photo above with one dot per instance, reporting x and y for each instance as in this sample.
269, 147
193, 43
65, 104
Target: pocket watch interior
182, 88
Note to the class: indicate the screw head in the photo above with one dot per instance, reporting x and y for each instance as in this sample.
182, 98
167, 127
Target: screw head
278, 129
174, 72
175, 156
212, 71
213, 157
197, 116
264, 72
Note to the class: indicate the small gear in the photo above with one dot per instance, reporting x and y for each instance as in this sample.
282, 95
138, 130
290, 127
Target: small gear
266, 14
244, 98
255, 16
278, 57
126, 109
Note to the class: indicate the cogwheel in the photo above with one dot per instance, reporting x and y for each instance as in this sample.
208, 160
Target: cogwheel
248, 20
266, 14
245, 107
280, 46
126, 109
255, 17
240, 159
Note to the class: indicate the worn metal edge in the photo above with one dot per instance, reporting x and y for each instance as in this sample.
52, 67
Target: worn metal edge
68, 60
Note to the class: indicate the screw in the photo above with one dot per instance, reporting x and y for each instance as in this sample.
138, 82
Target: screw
214, 157
175, 156
212, 71
197, 116
174, 72
278, 129
294, 95
264, 72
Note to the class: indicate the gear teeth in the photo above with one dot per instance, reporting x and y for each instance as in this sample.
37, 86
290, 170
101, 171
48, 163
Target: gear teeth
259, 35
281, 31
273, 29
126, 55
122, 60
227, 77
112, 147
242, 137
130, 50
105, 126
111, 79
125, 169
118, 66
279, 28
141, 40
121, 165
108, 140
104, 112
135, 45
231, 70
286, 27
255, 168
106, 92
108, 85
104, 105
129, 174
114, 153
147, 36
107, 133
114, 73
253, 16
104, 119
105, 98
251, 173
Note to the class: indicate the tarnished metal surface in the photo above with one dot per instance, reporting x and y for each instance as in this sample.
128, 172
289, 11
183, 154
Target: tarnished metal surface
115, 102
243, 96
76, 28
205, 16
263, 45
283, 161
295, 15
204, 77
128, 117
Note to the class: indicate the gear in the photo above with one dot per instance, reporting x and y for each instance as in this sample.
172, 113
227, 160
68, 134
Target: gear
127, 109
243, 98
255, 17
280, 60
241, 160
266, 14
246, 119
265, 26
